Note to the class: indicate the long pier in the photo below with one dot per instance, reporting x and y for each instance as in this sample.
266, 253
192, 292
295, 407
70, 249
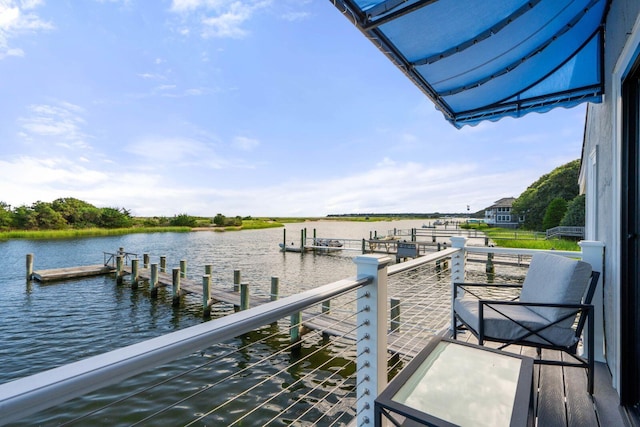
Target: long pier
123, 264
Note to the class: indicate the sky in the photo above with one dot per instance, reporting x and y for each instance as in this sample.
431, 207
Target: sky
241, 107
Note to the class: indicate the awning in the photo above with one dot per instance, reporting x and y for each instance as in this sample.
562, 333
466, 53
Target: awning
484, 60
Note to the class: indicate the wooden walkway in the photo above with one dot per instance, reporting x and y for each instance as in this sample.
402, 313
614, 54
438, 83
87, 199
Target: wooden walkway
190, 286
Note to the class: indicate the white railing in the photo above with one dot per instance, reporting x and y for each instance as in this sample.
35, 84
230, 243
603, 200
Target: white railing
32, 394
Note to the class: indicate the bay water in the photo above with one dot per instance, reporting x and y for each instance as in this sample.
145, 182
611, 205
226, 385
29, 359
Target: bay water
47, 325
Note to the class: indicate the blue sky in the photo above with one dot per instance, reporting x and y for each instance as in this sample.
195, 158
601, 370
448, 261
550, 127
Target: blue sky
250, 107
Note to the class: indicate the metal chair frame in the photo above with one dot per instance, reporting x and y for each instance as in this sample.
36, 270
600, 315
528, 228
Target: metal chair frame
584, 311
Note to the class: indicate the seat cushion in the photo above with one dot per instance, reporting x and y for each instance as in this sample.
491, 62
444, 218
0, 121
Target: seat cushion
499, 327
555, 279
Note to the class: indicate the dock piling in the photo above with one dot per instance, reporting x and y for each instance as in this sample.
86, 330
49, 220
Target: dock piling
176, 287
206, 294
244, 296
119, 269
208, 269
294, 329
134, 273
183, 268
275, 288
236, 280
29, 266
153, 282
163, 263
145, 260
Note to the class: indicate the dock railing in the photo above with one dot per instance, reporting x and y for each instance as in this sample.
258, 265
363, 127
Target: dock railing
28, 395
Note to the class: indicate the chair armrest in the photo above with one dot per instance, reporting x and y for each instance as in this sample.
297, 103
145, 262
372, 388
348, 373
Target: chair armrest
482, 285
535, 304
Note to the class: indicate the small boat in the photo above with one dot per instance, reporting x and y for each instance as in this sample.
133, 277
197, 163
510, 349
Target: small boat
330, 243
428, 226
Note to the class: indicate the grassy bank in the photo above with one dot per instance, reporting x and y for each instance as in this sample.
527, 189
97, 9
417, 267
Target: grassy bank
86, 232
522, 239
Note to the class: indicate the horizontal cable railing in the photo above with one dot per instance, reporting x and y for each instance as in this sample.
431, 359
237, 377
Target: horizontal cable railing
276, 378
37, 392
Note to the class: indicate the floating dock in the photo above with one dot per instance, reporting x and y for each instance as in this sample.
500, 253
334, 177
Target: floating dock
66, 273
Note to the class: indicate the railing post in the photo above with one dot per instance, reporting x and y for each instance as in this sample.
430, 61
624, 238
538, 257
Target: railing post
593, 253
457, 269
371, 335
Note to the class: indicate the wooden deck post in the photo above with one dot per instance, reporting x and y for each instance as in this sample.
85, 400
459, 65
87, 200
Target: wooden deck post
145, 260
302, 241
284, 241
134, 273
490, 268
176, 286
275, 288
163, 263
326, 306
236, 280
153, 281
119, 269
244, 296
183, 268
295, 328
206, 295
29, 266
395, 315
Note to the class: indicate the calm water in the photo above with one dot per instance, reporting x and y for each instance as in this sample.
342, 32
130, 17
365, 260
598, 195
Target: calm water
44, 326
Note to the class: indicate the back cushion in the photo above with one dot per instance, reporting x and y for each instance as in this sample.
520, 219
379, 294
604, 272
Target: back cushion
555, 279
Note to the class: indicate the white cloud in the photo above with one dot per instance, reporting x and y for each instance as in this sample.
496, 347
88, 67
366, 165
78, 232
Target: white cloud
16, 19
218, 18
245, 144
61, 124
295, 16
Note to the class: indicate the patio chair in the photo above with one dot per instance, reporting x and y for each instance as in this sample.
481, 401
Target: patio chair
550, 312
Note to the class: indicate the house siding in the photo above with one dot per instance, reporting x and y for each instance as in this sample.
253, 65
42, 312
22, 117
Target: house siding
601, 133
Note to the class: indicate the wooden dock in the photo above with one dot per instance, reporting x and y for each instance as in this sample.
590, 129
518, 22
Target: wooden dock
190, 286
67, 273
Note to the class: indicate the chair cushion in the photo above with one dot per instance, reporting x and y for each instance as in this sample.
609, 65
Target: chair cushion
499, 327
555, 279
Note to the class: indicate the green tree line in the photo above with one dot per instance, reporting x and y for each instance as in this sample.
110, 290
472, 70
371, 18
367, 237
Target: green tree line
553, 200
71, 213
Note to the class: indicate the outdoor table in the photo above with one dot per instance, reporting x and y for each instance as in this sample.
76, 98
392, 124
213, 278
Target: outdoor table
452, 383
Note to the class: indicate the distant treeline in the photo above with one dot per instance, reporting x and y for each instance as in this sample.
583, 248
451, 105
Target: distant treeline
401, 215
66, 213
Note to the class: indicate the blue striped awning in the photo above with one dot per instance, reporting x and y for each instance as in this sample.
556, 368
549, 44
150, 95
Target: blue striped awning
484, 60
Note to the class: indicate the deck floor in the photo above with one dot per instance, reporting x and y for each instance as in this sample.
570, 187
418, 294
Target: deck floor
562, 398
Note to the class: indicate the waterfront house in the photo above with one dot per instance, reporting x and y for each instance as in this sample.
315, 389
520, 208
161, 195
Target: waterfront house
499, 214
485, 62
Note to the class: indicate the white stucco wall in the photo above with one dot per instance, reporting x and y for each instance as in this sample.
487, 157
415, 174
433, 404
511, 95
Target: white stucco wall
602, 134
